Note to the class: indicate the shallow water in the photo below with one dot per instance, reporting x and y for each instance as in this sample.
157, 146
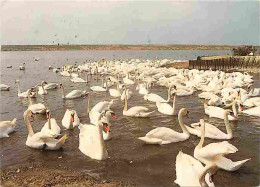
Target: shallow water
130, 159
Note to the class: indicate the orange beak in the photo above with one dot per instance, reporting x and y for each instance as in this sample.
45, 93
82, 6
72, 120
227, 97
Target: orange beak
114, 116
72, 118
241, 108
47, 115
107, 128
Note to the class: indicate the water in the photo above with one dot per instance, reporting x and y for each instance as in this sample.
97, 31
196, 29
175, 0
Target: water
130, 159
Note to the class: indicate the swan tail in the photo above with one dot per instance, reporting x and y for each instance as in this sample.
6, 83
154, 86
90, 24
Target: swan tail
62, 139
13, 122
229, 165
150, 140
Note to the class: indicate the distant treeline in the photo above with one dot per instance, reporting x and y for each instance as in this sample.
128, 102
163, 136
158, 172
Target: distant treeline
112, 47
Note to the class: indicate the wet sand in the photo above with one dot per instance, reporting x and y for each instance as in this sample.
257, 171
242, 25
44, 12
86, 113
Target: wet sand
58, 177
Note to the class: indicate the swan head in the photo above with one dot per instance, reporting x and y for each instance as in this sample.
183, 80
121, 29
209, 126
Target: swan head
249, 87
185, 112
28, 113
231, 113
173, 95
47, 113
16, 81
60, 85
105, 127
112, 114
212, 172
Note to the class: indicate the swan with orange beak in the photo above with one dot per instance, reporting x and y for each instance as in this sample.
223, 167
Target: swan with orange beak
70, 119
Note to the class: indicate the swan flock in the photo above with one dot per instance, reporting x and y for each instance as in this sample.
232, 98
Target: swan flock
224, 97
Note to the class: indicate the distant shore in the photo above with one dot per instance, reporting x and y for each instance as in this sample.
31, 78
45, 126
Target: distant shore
112, 47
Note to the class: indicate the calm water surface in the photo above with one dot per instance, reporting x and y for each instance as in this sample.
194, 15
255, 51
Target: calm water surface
130, 159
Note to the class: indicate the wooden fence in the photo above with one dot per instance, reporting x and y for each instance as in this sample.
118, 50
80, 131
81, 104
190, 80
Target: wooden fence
235, 62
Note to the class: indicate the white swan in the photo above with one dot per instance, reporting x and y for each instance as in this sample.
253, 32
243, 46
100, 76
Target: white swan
253, 91
37, 108
73, 94
156, 98
41, 88
167, 109
79, 80
164, 135
24, 94
51, 124
217, 112
6, 127
22, 67
107, 131
41, 140
211, 131
91, 142
255, 111
99, 88
190, 172
136, 111
4, 87
115, 92
214, 153
51, 86
126, 93
70, 119
65, 73
251, 102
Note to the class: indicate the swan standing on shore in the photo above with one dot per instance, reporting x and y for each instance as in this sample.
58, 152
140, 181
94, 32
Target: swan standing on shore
190, 172
6, 127
164, 135
41, 140
214, 153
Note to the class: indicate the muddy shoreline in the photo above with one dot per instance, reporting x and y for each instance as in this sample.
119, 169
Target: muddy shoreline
59, 176
112, 47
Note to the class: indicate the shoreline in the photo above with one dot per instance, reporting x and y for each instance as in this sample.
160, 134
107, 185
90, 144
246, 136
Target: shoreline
112, 47
58, 177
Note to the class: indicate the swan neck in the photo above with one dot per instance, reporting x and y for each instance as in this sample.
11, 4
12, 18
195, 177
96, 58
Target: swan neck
19, 91
30, 99
125, 108
28, 124
203, 174
63, 92
49, 122
202, 137
43, 88
169, 94
227, 124
234, 108
174, 105
184, 129
88, 104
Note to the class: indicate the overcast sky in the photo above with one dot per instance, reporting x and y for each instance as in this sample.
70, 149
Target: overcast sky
130, 22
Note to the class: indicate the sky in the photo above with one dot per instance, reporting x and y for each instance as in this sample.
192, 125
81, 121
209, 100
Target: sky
91, 22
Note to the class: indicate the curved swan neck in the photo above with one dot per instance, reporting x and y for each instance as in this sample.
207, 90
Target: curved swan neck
206, 169
125, 108
108, 118
63, 91
228, 128
28, 124
43, 87
202, 137
180, 117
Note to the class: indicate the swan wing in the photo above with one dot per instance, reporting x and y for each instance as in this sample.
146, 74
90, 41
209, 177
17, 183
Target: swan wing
75, 93
217, 149
137, 109
188, 170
